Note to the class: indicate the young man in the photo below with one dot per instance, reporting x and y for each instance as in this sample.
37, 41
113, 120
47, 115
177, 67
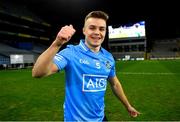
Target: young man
88, 68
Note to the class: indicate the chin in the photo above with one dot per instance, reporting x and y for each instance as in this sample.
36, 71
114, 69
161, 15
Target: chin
96, 45
97, 42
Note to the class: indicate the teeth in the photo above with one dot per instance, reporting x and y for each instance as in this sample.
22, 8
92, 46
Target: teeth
95, 37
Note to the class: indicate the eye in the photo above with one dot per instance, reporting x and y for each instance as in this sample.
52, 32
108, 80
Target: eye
92, 28
102, 29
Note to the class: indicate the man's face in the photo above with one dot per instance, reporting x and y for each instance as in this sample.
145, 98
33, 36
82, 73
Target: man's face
94, 31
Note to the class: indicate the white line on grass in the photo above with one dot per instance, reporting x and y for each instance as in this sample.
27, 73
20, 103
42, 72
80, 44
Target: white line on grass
147, 73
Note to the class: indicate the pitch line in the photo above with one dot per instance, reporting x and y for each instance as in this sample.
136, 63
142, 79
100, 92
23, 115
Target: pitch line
147, 73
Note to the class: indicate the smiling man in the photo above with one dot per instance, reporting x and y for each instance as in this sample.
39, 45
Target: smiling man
88, 68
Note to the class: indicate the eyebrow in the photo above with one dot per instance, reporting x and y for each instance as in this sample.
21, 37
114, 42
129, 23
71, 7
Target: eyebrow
97, 26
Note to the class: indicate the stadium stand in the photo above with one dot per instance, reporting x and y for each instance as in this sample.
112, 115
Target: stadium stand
21, 33
135, 48
25, 34
165, 49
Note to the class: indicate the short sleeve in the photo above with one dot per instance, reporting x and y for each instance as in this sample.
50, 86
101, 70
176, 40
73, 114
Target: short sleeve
61, 59
113, 70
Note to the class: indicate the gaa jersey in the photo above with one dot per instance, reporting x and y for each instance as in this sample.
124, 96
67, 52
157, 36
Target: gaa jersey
86, 80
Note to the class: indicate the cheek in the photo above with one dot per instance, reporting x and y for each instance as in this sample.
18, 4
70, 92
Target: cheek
104, 33
88, 34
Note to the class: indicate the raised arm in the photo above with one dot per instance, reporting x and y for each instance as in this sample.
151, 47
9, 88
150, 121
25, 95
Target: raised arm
119, 93
44, 65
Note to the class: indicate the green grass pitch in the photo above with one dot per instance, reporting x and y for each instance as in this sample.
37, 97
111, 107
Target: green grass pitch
152, 87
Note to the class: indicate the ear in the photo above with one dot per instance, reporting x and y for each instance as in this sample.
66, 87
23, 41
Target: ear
83, 29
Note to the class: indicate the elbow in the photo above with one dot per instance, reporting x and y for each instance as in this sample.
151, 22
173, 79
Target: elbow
36, 74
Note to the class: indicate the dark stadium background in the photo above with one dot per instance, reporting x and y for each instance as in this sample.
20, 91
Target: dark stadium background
162, 21
161, 18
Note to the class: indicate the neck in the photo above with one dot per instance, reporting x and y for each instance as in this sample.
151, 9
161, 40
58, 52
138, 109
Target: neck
93, 48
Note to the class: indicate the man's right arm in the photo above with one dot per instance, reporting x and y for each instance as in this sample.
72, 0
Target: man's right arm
44, 65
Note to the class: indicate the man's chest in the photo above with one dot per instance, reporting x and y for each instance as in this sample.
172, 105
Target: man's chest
92, 65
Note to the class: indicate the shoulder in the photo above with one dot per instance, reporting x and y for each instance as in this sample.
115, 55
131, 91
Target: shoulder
68, 48
107, 54
67, 52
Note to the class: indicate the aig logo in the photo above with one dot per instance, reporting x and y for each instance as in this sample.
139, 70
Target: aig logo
94, 83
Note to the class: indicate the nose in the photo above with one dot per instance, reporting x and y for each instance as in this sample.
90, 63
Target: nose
97, 31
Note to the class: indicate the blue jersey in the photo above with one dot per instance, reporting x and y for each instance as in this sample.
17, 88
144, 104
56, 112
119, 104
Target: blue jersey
86, 80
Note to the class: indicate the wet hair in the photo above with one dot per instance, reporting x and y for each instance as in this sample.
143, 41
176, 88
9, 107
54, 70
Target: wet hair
97, 14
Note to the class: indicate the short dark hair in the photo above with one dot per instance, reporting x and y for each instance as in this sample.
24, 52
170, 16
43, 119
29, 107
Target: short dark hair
97, 14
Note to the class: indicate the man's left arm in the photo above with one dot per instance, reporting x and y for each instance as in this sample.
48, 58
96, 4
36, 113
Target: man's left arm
119, 93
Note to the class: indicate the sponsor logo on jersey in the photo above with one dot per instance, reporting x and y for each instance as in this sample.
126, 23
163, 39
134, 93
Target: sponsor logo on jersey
84, 61
94, 83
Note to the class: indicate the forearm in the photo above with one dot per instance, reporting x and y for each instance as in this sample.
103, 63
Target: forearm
119, 93
43, 65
